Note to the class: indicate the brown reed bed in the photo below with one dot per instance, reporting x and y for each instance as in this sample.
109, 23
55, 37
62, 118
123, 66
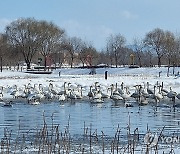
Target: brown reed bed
50, 139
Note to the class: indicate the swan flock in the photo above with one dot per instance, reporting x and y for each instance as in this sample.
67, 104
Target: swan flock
96, 93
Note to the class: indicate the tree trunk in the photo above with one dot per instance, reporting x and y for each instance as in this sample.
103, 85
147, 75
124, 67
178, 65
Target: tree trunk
173, 68
28, 65
116, 60
72, 59
111, 61
45, 63
168, 71
159, 61
168, 67
1, 63
150, 61
60, 62
140, 64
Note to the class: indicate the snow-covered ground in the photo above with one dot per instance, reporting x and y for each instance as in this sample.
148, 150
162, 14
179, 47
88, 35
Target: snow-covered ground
130, 77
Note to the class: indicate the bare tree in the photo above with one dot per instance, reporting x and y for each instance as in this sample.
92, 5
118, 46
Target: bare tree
91, 56
155, 41
30, 36
50, 36
2, 45
83, 54
125, 55
105, 58
114, 45
138, 48
109, 55
23, 35
169, 46
2, 53
148, 58
176, 57
73, 46
58, 55
88, 54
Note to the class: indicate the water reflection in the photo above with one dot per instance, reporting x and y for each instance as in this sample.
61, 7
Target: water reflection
103, 117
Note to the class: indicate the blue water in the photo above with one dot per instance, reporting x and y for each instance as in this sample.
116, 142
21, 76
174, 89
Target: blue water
103, 117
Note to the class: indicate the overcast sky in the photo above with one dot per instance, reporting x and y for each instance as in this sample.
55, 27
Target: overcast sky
95, 20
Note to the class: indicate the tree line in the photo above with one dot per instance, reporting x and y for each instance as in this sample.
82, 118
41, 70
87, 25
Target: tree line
37, 41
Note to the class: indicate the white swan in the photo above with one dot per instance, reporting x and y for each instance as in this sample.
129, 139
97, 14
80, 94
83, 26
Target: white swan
62, 97
171, 94
97, 98
126, 94
90, 93
1, 96
158, 94
115, 96
34, 102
